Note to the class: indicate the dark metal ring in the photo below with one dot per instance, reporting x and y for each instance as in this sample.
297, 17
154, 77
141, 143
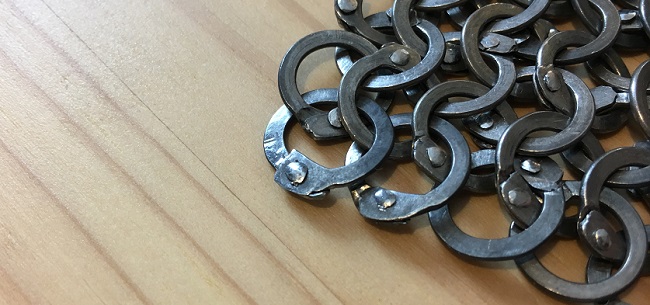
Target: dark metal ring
618, 77
436, 5
458, 15
592, 20
558, 9
578, 126
591, 220
452, 62
402, 150
381, 21
549, 83
471, 34
380, 204
484, 100
639, 96
568, 227
605, 166
411, 76
600, 270
352, 19
644, 10
314, 121
403, 29
503, 248
384, 58
302, 176
522, 20
610, 29
603, 290
512, 188
580, 157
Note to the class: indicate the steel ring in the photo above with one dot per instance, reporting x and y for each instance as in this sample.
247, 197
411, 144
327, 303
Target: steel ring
603, 290
302, 176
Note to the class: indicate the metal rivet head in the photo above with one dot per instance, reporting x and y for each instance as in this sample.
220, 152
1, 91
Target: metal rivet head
334, 118
490, 41
603, 241
484, 121
437, 156
347, 6
384, 198
518, 198
400, 57
553, 80
296, 172
531, 166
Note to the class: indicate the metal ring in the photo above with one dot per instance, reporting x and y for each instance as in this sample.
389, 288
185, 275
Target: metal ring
578, 126
610, 29
580, 157
452, 62
600, 270
568, 227
590, 219
436, 5
401, 150
522, 20
355, 22
302, 176
350, 118
458, 15
605, 166
470, 38
592, 21
484, 100
314, 121
549, 83
619, 78
503, 248
558, 9
639, 96
414, 74
644, 10
403, 29
603, 290
381, 21
512, 189
380, 204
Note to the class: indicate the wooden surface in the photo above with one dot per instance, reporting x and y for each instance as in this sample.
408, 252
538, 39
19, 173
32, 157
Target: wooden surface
132, 170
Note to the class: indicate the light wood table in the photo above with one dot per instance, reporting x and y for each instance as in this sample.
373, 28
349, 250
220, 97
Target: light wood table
132, 170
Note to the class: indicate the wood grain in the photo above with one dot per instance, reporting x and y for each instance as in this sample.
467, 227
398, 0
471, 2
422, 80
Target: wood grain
133, 173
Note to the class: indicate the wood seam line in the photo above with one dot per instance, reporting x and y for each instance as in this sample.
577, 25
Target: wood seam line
79, 226
75, 65
17, 288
